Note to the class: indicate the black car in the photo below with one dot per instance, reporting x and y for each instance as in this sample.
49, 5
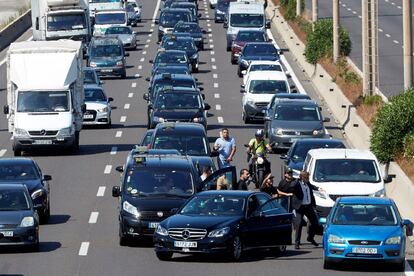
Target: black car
178, 105
171, 69
170, 57
222, 8
146, 139
296, 155
184, 44
19, 222
153, 186
26, 171
194, 30
227, 222
192, 7
256, 51
169, 17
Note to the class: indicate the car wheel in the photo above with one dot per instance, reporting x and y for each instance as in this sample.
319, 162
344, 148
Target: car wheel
233, 60
109, 125
236, 249
123, 75
327, 264
46, 214
245, 118
164, 256
239, 72
17, 152
280, 250
123, 239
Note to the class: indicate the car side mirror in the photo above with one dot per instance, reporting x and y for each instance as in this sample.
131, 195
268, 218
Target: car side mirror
268, 24
204, 31
408, 227
47, 177
207, 106
242, 90
294, 91
244, 72
151, 61
322, 221
146, 96
225, 25
119, 169
292, 86
269, 40
201, 88
6, 109
199, 15
387, 179
116, 191
326, 120
147, 78
110, 99
156, 21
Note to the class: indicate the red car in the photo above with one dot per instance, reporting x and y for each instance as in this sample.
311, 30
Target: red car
243, 37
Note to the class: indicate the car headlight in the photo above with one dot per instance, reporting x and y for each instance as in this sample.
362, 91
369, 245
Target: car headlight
277, 131
198, 119
161, 231
158, 119
393, 240
37, 193
219, 232
380, 193
120, 63
92, 64
20, 132
131, 209
320, 194
318, 132
27, 222
335, 239
104, 109
65, 131
195, 56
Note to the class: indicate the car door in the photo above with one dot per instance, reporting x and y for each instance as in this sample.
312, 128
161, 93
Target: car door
229, 173
252, 232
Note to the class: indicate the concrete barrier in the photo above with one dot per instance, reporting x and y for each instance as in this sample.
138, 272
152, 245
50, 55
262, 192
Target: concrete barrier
15, 29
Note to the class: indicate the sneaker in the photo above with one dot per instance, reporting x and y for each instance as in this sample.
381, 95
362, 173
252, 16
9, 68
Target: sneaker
312, 241
297, 246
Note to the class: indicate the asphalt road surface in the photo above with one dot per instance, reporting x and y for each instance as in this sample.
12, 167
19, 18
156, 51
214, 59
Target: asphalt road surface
81, 237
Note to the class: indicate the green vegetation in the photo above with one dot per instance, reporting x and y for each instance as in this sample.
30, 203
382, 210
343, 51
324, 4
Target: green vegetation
347, 75
290, 8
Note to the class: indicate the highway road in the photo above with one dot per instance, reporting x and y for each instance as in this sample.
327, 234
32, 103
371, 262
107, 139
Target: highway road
81, 237
390, 38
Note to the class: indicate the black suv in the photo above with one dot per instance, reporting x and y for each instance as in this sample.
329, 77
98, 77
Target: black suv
153, 186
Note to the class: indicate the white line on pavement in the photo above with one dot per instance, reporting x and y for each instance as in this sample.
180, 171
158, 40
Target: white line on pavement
213, 67
108, 169
343, 5
101, 191
213, 60
215, 76
149, 35
4, 60
220, 120
380, 30
218, 107
123, 119
148, 40
211, 40
113, 150
118, 134
210, 35
157, 7
151, 30
130, 95
207, 16
354, 12
211, 46
399, 7
127, 106
392, 3
139, 67
349, 9
142, 59
209, 29
208, 25
144, 52
146, 46
215, 85
388, 35
137, 75
359, 16
83, 250
208, 20
2, 152
93, 217
212, 53
217, 96
395, 41
134, 84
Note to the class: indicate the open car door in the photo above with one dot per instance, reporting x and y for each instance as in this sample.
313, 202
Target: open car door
229, 175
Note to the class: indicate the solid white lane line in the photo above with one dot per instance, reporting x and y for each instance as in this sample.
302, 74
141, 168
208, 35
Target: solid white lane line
142, 59
2, 152
157, 7
130, 95
388, 35
213, 67
215, 76
101, 191
218, 107
108, 169
93, 218
215, 85
113, 150
123, 119
217, 96
83, 250
134, 84
118, 134
220, 120
127, 106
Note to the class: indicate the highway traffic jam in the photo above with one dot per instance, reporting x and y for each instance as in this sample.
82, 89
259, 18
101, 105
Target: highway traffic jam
184, 175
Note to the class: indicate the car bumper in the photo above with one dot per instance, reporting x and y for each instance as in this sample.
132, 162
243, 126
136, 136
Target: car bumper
21, 236
130, 46
133, 227
99, 118
253, 112
41, 142
285, 141
110, 71
219, 17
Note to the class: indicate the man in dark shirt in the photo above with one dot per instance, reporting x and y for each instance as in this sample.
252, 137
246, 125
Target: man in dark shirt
285, 186
243, 182
267, 186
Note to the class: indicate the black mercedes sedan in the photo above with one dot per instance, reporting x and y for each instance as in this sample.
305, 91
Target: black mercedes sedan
27, 171
225, 222
19, 222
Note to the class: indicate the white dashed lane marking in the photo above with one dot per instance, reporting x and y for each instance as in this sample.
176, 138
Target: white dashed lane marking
217, 96
142, 59
148, 40
83, 250
123, 119
210, 35
146, 46
93, 218
220, 120
359, 16
134, 84
149, 35
101, 191
127, 106
388, 35
2, 152
137, 75
380, 30
218, 107
214, 76
118, 134
215, 85
213, 67
212, 53
144, 52
211, 46
396, 41
113, 150
130, 95
108, 169
213, 60
139, 67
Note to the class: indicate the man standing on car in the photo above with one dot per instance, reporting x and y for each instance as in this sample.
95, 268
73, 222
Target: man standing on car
303, 202
226, 147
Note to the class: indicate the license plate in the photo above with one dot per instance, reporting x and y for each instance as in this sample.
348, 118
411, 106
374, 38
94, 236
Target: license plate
363, 250
7, 233
106, 70
42, 142
153, 224
185, 244
88, 116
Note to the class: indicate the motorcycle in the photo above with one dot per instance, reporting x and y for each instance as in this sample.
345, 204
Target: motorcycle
260, 167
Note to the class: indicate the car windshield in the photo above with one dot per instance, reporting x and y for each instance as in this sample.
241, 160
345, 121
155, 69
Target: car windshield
250, 37
154, 180
265, 67
178, 101
346, 170
13, 200
165, 57
268, 86
106, 51
104, 1
300, 150
169, 19
180, 44
94, 95
15, 171
246, 20
260, 49
159, 86
214, 205
69, 21
90, 77
118, 30
130, 8
110, 18
223, 5
185, 144
43, 101
187, 28
365, 214
297, 113
171, 70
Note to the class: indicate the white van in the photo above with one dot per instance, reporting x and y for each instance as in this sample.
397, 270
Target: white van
106, 19
343, 172
244, 15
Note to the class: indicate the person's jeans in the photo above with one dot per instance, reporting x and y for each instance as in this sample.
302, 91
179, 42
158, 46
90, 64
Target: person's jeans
223, 163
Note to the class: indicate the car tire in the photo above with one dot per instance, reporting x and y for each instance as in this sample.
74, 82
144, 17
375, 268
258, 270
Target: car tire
164, 256
245, 118
46, 214
123, 75
233, 60
280, 250
327, 264
109, 125
17, 152
239, 73
123, 239
236, 249
34, 247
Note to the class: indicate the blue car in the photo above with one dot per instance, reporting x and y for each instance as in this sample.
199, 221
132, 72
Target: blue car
365, 229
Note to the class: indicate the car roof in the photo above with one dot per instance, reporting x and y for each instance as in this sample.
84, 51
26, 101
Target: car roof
89, 69
296, 102
193, 128
250, 7
161, 161
93, 86
319, 141
260, 43
341, 154
183, 4
16, 186
297, 96
169, 89
267, 75
17, 160
365, 200
175, 10
171, 51
110, 11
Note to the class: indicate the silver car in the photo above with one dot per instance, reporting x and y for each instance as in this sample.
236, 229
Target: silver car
125, 34
294, 119
98, 108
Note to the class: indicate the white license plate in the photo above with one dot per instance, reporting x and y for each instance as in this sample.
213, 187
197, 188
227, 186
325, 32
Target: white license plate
42, 142
185, 244
106, 70
153, 224
7, 233
363, 250
88, 116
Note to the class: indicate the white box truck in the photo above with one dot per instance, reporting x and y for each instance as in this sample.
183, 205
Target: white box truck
60, 19
45, 98
103, 5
